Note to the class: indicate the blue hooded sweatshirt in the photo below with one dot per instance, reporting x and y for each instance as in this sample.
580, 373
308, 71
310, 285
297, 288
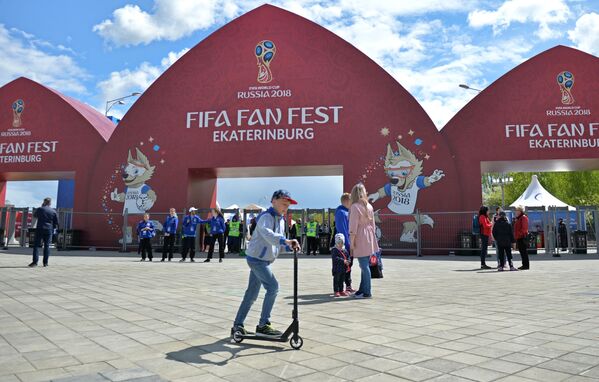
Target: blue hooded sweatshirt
342, 223
145, 234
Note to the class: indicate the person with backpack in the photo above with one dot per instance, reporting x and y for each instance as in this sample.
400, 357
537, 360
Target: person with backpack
504, 238
263, 249
485, 225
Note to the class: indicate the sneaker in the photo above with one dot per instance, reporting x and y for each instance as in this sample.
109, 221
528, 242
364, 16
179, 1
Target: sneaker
32, 265
207, 260
485, 266
522, 268
512, 268
499, 269
337, 294
349, 290
267, 330
182, 260
45, 265
239, 328
362, 296
344, 294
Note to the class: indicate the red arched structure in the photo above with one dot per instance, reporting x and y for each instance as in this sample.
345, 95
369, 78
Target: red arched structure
47, 135
530, 119
222, 109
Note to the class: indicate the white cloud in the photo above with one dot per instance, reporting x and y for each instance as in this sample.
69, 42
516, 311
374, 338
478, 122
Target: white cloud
127, 81
586, 33
436, 87
31, 193
24, 55
168, 20
545, 13
427, 57
172, 20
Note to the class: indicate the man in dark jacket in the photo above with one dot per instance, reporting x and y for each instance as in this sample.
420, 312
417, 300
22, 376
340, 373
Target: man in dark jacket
47, 222
504, 238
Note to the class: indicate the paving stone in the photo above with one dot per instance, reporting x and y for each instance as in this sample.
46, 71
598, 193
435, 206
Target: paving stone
478, 374
126, 374
414, 373
425, 323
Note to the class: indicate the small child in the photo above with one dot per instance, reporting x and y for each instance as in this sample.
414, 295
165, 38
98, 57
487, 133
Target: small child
340, 265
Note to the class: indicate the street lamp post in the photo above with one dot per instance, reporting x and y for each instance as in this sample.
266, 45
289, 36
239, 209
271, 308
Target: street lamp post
118, 101
464, 86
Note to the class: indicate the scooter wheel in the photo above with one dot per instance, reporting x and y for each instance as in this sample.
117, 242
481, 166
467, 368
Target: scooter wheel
237, 337
296, 344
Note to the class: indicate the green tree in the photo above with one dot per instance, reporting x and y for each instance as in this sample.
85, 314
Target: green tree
574, 188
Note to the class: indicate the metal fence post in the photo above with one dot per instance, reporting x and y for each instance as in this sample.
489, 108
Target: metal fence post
418, 236
125, 216
64, 231
596, 221
24, 227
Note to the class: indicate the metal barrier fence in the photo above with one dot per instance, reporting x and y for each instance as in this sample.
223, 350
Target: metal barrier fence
420, 233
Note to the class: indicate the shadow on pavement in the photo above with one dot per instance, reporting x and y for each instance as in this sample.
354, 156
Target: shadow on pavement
322, 298
212, 354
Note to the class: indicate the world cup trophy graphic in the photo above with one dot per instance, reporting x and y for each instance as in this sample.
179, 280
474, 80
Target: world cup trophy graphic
265, 53
17, 109
565, 80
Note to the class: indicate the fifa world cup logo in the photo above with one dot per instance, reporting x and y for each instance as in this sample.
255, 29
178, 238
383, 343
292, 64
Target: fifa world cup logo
565, 80
265, 53
17, 109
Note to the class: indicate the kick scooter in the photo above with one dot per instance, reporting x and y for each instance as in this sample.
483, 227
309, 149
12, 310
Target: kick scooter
292, 332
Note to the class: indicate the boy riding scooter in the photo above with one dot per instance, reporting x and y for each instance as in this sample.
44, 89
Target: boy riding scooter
263, 249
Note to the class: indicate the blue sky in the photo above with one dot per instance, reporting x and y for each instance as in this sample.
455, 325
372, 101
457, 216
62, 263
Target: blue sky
99, 50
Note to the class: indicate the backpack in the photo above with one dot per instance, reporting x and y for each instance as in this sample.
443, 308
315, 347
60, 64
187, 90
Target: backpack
475, 225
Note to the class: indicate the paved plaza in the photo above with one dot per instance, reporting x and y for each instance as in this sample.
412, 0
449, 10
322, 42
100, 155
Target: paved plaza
107, 317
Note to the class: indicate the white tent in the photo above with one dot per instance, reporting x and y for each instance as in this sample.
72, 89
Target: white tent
537, 196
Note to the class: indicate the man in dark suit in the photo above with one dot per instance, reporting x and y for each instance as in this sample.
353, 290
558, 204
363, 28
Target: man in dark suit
47, 222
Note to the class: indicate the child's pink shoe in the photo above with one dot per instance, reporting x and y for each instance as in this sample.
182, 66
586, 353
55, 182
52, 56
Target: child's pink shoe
337, 294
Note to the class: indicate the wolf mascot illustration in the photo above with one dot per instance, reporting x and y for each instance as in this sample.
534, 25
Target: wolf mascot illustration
405, 174
137, 197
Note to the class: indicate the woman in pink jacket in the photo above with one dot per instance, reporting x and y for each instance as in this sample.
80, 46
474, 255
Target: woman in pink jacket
362, 236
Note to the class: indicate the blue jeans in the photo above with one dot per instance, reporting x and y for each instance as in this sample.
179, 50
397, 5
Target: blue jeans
44, 235
365, 281
260, 274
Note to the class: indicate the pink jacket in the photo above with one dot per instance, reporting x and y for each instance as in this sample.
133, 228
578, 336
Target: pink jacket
362, 228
